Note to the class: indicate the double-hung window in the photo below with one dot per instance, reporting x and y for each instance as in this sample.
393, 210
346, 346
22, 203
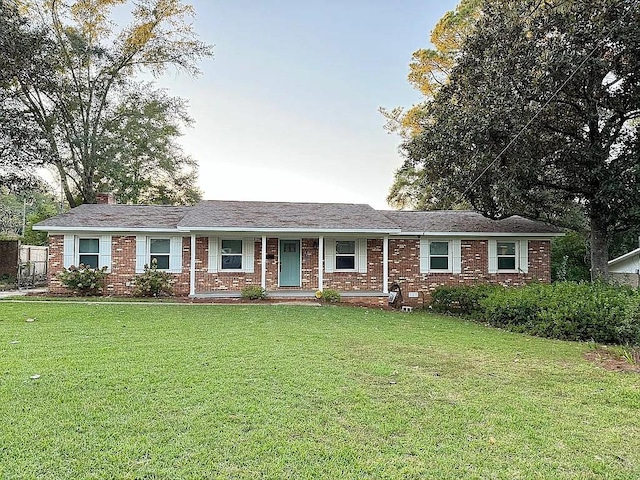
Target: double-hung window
345, 255
159, 251
89, 252
231, 254
163, 252
438, 255
508, 255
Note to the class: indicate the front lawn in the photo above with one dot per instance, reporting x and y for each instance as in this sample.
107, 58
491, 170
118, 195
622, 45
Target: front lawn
244, 391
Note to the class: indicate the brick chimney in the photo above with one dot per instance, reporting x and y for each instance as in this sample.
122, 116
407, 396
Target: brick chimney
106, 198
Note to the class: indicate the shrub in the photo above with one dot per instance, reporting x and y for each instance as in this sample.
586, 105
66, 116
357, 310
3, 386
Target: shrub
328, 295
153, 282
254, 292
567, 311
84, 280
461, 300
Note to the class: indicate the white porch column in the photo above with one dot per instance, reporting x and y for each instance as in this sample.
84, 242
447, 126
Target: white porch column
192, 266
320, 262
263, 263
385, 264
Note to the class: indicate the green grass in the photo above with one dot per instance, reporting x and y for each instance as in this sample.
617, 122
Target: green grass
200, 391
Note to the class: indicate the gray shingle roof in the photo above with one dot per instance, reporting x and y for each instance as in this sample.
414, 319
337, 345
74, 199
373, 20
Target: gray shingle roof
283, 215
465, 221
118, 217
237, 215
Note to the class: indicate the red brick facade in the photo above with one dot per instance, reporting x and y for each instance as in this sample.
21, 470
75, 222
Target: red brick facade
404, 268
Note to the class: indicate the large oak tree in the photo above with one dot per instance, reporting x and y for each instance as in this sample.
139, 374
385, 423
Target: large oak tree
540, 116
86, 105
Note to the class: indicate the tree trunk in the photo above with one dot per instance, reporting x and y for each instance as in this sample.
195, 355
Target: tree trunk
599, 249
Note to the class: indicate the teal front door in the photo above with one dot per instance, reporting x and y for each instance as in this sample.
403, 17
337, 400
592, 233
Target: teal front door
289, 263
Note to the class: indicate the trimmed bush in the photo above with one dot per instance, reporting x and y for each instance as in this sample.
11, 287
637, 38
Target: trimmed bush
461, 300
153, 282
83, 280
568, 311
565, 310
254, 293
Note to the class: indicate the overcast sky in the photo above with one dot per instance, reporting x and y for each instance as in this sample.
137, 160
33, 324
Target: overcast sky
287, 108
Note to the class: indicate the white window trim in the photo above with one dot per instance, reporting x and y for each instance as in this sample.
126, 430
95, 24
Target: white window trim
354, 255
330, 255
71, 250
76, 248
143, 252
215, 255
148, 262
521, 255
516, 251
453, 255
241, 255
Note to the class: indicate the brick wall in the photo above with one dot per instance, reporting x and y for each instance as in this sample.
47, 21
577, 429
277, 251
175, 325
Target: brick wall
350, 281
404, 268
123, 266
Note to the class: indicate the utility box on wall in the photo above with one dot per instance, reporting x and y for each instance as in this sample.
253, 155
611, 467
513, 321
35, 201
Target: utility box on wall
8, 257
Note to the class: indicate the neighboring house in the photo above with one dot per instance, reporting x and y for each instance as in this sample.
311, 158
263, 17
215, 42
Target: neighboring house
217, 248
626, 269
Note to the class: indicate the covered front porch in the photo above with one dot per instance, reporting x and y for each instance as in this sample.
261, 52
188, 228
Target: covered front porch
294, 265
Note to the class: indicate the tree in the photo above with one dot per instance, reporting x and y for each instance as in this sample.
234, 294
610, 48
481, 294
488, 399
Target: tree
19, 210
21, 57
538, 117
88, 86
570, 258
428, 71
147, 164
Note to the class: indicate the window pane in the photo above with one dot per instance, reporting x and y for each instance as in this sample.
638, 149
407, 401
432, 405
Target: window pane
439, 248
506, 248
346, 263
346, 247
231, 246
231, 262
439, 263
163, 261
160, 245
88, 245
506, 263
89, 260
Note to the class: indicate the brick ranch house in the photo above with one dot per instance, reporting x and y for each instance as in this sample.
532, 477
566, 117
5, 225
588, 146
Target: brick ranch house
217, 248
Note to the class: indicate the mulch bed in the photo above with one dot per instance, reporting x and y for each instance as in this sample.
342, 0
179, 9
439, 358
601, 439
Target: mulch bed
611, 360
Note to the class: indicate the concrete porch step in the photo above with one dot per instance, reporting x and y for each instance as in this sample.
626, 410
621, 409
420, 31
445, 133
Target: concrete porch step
297, 294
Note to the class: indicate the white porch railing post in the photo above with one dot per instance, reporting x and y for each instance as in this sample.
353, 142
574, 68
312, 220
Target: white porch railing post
192, 267
385, 264
320, 262
263, 262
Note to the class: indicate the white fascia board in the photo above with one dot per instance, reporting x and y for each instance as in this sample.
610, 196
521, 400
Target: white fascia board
121, 231
624, 257
543, 236
289, 231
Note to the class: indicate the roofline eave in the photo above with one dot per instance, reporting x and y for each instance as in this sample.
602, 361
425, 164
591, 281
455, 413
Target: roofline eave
483, 234
261, 231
